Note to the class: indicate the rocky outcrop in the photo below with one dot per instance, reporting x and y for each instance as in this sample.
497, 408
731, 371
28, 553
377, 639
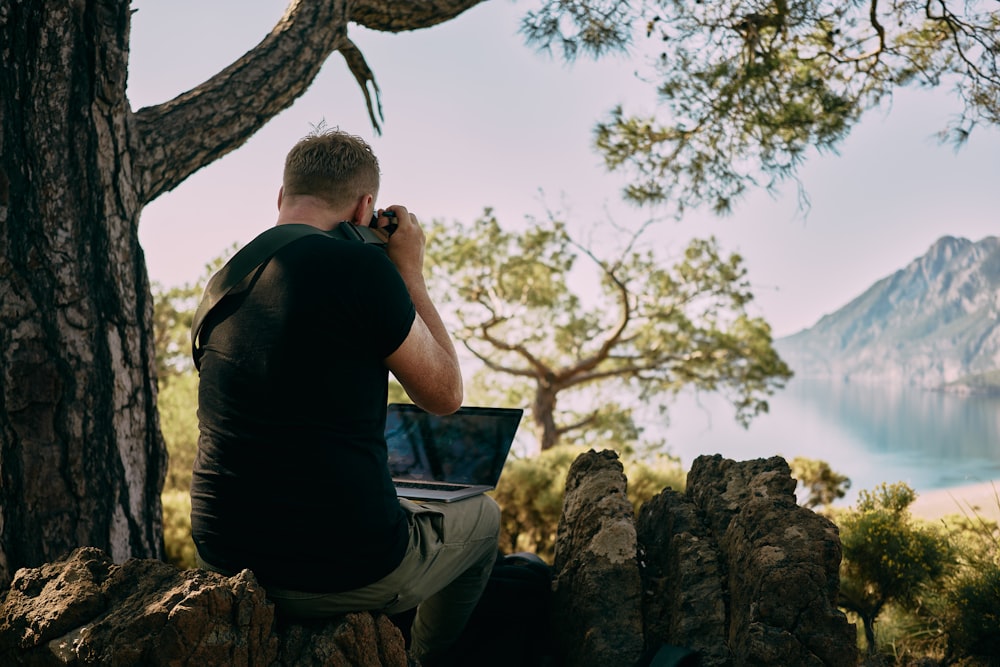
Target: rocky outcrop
684, 602
731, 569
86, 610
597, 591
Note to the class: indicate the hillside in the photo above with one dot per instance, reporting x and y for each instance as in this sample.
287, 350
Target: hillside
934, 323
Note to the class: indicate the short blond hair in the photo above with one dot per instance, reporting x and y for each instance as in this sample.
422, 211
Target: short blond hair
334, 166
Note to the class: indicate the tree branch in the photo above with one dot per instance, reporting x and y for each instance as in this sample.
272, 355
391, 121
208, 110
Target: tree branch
540, 369
176, 138
956, 28
494, 366
624, 317
563, 430
400, 15
363, 74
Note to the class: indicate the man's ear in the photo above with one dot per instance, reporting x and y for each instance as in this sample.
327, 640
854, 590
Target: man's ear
361, 215
281, 196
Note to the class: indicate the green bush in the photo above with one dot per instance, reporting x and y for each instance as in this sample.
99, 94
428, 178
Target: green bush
888, 557
970, 598
177, 528
531, 492
973, 621
178, 405
820, 484
647, 477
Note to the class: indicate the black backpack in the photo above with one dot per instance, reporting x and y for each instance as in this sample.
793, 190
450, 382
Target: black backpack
510, 625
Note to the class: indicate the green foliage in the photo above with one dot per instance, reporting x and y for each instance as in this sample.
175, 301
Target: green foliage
969, 607
906, 636
173, 312
748, 89
973, 615
956, 617
647, 477
600, 26
177, 528
178, 406
396, 392
177, 403
822, 485
552, 321
887, 555
531, 492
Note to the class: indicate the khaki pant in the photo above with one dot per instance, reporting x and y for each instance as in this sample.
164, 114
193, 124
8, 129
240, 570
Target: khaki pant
449, 559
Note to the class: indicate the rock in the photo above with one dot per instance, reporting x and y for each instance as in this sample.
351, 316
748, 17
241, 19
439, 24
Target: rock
684, 602
87, 610
784, 563
737, 535
357, 640
597, 591
731, 568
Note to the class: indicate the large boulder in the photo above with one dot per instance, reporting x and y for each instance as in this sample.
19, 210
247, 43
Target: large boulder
732, 569
782, 562
597, 590
86, 610
684, 579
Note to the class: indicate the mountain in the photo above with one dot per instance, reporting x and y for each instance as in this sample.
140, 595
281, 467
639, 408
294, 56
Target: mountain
933, 324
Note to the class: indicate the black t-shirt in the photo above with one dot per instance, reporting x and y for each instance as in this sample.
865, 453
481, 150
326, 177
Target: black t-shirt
291, 478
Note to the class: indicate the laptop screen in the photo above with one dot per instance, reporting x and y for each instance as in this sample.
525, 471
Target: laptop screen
467, 447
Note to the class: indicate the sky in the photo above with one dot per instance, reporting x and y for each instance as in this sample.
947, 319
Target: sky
474, 118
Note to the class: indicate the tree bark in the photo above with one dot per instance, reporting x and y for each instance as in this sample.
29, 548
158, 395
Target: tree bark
543, 411
82, 460
81, 456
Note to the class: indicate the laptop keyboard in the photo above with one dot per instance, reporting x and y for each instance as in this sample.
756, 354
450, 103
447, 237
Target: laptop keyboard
433, 486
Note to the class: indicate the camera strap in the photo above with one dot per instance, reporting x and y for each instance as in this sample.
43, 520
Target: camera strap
256, 253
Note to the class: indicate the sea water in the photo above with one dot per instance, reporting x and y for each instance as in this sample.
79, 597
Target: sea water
870, 433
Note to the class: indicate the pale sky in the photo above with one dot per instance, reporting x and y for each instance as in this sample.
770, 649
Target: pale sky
475, 119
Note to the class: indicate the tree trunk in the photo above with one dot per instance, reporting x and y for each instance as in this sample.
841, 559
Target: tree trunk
82, 460
868, 620
543, 413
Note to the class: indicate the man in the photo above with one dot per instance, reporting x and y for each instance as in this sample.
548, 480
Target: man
291, 478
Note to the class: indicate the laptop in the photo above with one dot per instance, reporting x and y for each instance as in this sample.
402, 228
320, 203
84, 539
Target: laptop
446, 458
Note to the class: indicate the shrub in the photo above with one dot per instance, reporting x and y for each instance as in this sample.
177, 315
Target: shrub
819, 485
887, 555
971, 597
531, 493
178, 406
177, 528
647, 477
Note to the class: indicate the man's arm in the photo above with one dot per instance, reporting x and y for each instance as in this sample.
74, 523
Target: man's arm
426, 363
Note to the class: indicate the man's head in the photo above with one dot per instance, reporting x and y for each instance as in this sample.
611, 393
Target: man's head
334, 166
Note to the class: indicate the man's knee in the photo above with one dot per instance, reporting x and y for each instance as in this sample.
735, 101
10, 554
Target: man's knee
490, 524
491, 513
482, 524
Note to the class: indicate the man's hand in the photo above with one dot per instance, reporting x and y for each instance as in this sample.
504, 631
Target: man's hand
406, 245
425, 364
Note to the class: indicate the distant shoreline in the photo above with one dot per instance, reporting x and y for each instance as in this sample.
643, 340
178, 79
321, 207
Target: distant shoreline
968, 499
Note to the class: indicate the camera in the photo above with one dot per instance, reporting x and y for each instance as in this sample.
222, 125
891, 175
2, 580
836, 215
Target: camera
350, 232
388, 229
